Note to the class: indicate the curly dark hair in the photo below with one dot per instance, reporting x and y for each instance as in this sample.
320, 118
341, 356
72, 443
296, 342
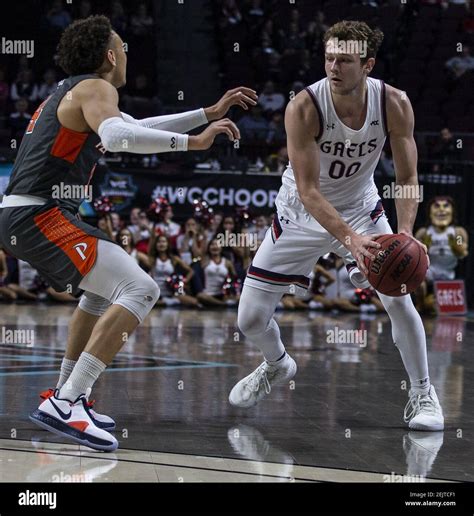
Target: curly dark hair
83, 44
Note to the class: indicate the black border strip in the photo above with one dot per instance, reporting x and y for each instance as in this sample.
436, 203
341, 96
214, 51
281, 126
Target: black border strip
383, 107
315, 102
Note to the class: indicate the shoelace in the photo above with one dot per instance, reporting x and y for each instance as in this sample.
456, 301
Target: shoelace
418, 403
259, 375
47, 394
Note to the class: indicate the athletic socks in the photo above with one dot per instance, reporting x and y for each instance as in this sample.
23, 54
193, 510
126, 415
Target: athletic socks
66, 369
85, 373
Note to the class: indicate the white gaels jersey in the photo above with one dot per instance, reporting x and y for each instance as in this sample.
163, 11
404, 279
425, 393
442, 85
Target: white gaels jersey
347, 157
442, 259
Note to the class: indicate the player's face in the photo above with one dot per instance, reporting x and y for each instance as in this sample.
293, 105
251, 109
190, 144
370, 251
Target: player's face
344, 71
441, 213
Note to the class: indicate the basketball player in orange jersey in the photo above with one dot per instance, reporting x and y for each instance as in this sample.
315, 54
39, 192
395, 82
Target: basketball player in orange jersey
328, 202
61, 145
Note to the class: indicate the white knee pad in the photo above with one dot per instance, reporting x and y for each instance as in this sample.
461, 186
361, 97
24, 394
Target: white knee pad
138, 295
396, 304
93, 304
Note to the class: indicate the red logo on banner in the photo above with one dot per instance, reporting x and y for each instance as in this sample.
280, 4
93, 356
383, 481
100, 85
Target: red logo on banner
450, 297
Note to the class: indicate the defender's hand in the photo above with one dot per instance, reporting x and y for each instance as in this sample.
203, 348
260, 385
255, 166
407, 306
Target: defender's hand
204, 140
240, 96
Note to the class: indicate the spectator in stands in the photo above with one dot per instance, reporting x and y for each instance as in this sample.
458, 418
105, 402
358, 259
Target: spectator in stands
105, 224
256, 10
168, 227
49, 84
85, 10
141, 23
4, 91
18, 120
270, 100
140, 100
231, 12
163, 266
214, 225
293, 39
118, 18
124, 239
5, 292
277, 162
214, 270
459, 65
57, 17
140, 227
276, 130
296, 87
117, 222
253, 125
444, 151
24, 87
191, 244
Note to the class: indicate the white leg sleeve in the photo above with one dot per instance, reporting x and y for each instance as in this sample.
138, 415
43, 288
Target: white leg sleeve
409, 336
93, 304
255, 320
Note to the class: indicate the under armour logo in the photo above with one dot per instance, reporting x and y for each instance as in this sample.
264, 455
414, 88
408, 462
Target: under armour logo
80, 248
374, 122
287, 221
173, 142
330, 126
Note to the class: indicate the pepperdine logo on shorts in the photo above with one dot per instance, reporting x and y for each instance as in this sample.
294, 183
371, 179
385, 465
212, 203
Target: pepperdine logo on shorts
381, 256
350, 46
32, 498
259, 198
18, 46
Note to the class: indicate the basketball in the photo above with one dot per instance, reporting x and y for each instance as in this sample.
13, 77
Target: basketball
399, 267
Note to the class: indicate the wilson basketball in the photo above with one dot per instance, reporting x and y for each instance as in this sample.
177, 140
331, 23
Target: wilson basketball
399, 267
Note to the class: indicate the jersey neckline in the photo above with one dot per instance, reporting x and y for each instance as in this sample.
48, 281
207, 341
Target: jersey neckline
331, 103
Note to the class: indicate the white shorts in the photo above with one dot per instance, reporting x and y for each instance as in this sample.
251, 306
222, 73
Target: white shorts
295, 242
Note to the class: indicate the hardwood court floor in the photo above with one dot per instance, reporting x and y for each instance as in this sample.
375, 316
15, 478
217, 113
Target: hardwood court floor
341, 420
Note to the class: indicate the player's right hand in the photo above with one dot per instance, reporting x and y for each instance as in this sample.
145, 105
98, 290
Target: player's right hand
359, 247
204, 140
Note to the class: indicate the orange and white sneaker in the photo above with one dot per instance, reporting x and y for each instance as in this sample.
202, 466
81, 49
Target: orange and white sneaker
72, 420
100, 420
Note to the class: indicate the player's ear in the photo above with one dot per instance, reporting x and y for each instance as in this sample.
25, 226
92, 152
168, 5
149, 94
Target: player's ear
369, 65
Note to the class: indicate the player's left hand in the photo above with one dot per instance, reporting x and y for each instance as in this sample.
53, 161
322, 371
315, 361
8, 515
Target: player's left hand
423, 246
241, 96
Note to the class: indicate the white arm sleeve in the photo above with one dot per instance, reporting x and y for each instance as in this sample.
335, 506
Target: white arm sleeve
117, 135
180, 122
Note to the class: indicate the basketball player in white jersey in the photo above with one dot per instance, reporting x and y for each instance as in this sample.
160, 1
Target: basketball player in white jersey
328, 202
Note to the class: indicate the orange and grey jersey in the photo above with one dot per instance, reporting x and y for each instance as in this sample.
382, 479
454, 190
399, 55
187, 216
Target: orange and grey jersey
348, 157
53, 160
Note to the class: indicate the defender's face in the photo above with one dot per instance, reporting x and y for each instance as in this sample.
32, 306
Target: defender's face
344, 71
441, 213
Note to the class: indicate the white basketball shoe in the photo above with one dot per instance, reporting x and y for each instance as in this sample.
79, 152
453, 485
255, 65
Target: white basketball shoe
72, 420
251, 389
423, 412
